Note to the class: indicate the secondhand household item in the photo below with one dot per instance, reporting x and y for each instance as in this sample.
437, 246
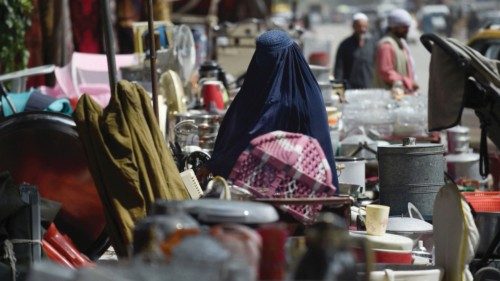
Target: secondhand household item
328, 255
44, 149
223, 211
376, 219
358, 145
458, 139
351, 170
393, 272
464, 166
212, 93
388, 248
285, 165
486, 204
410, 172
462, 77
413, 228
456, 237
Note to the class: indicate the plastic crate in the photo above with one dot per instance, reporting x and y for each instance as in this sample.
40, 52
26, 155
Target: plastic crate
484, 202
481, 194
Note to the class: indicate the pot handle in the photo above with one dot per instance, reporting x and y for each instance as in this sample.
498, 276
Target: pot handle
414, 212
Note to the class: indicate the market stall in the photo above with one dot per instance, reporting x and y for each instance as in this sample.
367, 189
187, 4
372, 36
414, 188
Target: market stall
190, 173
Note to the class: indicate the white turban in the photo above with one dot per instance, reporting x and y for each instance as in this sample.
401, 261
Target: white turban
399, 17
359, 16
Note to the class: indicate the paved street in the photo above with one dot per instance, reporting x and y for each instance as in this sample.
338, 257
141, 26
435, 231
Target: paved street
337, 32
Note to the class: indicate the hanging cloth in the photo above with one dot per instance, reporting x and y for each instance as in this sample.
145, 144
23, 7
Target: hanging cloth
279, 93
128, 159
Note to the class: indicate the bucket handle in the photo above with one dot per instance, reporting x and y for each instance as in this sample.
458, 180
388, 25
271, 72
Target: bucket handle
414, 212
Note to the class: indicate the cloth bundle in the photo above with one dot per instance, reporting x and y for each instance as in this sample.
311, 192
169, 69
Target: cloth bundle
128, 158
285, 165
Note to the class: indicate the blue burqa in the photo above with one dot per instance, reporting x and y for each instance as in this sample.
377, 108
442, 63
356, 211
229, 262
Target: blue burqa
279, 93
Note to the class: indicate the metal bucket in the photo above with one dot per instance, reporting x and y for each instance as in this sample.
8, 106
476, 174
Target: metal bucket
410, 173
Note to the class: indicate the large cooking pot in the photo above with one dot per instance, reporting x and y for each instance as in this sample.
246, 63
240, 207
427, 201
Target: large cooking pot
43, 149
410, 172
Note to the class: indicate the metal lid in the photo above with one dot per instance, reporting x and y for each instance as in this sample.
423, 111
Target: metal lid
410, 146
459, 129
209, 65
348, 159
387, 241
462, 157
223, 211
405, 224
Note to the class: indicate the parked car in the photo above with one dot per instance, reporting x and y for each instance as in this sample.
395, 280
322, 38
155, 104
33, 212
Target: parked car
434, 19
487, 41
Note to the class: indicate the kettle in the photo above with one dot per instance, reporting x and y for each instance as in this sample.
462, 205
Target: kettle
211, 70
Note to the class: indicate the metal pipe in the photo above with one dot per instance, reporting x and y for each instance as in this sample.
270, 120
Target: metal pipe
152, 59
109, 44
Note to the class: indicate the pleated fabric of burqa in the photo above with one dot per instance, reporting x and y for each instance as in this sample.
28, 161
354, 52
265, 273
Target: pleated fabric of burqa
128, 158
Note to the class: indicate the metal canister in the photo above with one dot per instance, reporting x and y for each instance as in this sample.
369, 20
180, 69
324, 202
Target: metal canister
458, 139
410, 172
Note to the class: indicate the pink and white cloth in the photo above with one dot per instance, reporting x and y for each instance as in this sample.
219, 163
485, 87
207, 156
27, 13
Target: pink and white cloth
285, 165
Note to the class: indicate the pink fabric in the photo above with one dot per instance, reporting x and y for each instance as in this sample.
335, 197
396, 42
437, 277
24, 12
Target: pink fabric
99, 92
385, 66
285, 165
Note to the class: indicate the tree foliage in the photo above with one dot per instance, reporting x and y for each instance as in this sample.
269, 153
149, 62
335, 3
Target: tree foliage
14, 21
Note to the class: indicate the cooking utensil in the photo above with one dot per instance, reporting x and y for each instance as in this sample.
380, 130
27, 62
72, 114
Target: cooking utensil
351, 170
410, 172
458, 139
463, 166
388, 248
223, 211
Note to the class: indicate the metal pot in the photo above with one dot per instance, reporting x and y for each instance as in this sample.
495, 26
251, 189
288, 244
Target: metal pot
458, 139
410, 173
463, 165
351, 170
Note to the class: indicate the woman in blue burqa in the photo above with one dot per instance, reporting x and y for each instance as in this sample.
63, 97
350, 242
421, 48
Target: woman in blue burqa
279, 93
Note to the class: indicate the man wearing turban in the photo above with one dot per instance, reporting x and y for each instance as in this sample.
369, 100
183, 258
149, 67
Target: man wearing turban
393, 62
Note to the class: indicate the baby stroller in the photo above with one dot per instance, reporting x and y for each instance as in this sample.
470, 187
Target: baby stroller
461, 77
